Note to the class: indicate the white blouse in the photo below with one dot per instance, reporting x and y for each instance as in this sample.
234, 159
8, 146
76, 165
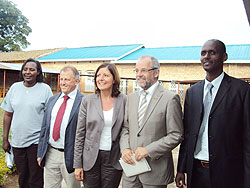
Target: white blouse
106, 138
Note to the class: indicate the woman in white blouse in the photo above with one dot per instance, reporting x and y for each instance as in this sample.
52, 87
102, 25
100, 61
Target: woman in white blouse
100, 122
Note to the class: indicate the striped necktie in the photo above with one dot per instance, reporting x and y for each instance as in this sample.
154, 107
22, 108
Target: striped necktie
143, 107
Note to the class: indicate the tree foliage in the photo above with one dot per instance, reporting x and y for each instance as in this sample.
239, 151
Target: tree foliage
14, 27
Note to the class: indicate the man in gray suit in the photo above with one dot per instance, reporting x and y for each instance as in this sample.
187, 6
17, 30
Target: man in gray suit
56, 146
152, 127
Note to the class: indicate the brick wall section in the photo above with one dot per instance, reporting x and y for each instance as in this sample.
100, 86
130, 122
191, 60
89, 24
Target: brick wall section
168, 71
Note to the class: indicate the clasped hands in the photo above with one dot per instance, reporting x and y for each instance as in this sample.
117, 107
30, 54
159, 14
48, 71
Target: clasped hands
140, 153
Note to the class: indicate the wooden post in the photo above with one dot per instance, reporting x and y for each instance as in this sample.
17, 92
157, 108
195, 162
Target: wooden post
4, 79
58, 83
178, 88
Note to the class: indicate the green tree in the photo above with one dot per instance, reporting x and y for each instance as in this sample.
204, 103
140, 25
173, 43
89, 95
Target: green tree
14, 27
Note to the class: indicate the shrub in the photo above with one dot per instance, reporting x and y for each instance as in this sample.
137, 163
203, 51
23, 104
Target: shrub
4, 170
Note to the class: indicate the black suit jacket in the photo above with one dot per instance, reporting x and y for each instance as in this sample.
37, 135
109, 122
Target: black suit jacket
69, 134
228, 133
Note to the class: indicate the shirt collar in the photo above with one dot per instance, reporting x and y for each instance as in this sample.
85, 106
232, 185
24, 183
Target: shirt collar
71, 95
216, 82
150, 90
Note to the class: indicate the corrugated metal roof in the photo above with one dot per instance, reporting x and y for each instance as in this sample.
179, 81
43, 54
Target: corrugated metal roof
167, 53
17, 67
235, 52
238, 52
112, 52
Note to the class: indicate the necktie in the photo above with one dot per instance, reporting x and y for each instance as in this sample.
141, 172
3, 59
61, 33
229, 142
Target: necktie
207, 103
59, 117
142, 108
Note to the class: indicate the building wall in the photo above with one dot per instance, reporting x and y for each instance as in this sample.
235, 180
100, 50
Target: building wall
238, 70
169, 73
186, 72
174, 76
82, 67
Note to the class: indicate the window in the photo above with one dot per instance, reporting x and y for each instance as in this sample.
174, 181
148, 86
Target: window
89, 81
53, 82
123, 86
174, 87
181, 92
136, 87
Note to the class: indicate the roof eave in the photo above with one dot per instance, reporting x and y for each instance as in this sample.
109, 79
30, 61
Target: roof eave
90, 59
130, 52
178, 61
160, 61
238, 61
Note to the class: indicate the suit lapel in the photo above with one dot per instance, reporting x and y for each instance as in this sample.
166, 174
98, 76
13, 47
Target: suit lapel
51, 105
116, 109
76, 104
223, 89
199, 92
135, 98
98, 105
152, 104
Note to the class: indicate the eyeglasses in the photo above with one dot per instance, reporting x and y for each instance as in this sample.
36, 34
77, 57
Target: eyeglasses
143, 71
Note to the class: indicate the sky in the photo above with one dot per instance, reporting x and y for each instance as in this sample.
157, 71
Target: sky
153, 23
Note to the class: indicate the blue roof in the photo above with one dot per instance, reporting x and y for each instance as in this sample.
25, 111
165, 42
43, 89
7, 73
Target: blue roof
235, 52
121, 53
97, 52
167, 53
238, 52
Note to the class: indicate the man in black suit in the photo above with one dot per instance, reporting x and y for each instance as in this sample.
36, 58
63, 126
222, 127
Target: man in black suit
56, 146
215, 152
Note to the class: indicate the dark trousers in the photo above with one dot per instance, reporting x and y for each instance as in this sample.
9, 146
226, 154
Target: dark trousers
29, 172
200, 176
102, 175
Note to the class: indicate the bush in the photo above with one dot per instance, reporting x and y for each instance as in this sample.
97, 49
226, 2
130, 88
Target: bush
4, 170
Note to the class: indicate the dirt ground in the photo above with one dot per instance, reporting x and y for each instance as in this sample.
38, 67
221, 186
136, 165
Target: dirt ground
12, 180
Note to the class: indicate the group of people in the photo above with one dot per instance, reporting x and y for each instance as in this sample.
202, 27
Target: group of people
81, 138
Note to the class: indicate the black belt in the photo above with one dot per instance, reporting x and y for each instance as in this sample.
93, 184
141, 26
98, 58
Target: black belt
204, 164
58, 149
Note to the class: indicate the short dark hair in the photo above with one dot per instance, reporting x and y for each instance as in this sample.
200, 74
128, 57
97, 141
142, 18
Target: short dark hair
39, 78
222, 46
113, 70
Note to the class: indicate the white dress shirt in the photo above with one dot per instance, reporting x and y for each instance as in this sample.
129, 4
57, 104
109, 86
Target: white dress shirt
204, 153
60, 142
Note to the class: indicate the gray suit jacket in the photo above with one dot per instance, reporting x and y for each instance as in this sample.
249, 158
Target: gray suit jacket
69, 134
89, 130
160, 133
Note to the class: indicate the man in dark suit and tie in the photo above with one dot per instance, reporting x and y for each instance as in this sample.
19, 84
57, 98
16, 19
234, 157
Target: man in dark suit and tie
56, 144
215, 152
